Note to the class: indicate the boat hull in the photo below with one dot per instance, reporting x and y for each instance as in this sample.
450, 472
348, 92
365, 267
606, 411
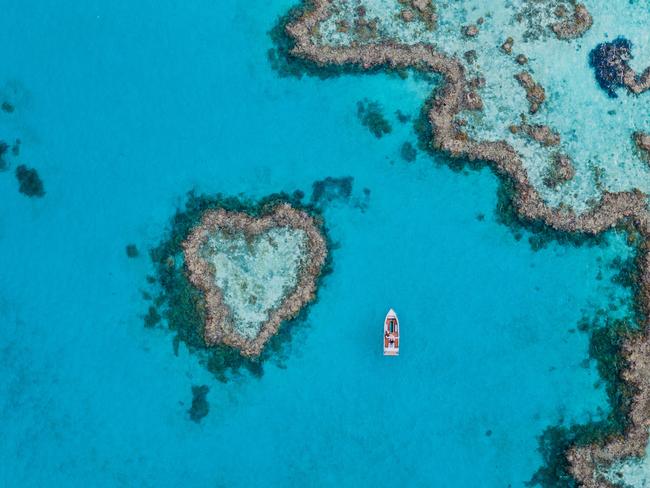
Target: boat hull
391, 334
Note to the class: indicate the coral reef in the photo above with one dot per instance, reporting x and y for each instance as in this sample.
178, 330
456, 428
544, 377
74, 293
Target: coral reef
470, 30
200, 407
408, 152
425, 10
470, 56
606, 340
7, 107
365, 30
223, 323
4, 153
610, 62
642, 141
579, 23
152, 318
4, 148
371, 116
180, 306
132, 251
628, 209
402, 117
560, 171
331, 189
30, 183
506, 47
538, 132
535, 93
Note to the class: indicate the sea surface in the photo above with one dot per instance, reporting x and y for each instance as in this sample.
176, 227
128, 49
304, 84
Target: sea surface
123, 107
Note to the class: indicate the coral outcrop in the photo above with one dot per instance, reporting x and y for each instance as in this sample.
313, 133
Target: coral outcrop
642, 141
575, 26
610, 61
560, 171
29, 181
539, 133
535, 93
425, 10
223, 321
371, 116
200, 406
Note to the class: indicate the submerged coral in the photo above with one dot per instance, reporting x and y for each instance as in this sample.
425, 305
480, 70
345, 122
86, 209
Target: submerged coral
200, 406
30, 183
331, 189
5, 155
152, 318
408, 152
7, 107
371, 116
609, 61
560, 171
4, 148
132, 251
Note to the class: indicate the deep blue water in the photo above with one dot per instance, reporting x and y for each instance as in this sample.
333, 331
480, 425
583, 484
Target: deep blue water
123, 108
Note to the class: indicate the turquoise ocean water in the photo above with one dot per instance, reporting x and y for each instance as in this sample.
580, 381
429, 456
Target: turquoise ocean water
123, 107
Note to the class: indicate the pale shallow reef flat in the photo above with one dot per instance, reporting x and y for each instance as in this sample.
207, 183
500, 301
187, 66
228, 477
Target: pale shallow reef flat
256, 274
594, 130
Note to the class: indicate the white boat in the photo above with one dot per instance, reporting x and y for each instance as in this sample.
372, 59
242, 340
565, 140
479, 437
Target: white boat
391, 334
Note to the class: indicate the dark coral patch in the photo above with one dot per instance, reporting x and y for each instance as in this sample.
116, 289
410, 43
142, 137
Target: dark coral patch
626, 272
132, 251
408, 152
371, 116
152, 318
30, 183
200, 405
4, 147
7, 107
4, 153
610, 63
331, 189
402, 117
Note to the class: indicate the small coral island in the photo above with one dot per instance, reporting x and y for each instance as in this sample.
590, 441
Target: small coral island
234, 274
255, 272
